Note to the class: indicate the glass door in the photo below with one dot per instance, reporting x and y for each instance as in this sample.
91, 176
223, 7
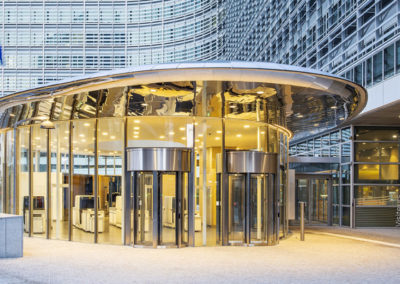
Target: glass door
236, 208
143, 198
258, 208
319, 188
168, 213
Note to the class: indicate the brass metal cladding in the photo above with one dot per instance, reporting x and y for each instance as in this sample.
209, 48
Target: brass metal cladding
158, 159
251, 162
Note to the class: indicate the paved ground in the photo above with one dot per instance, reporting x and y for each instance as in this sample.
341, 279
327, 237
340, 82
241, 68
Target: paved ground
320, 259
391, 235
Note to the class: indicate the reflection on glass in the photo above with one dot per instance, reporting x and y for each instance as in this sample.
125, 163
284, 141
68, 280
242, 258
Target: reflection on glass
367, 195
39, 180
371, 134
236, 208
59, 143
83, 203
144, 209
319, 200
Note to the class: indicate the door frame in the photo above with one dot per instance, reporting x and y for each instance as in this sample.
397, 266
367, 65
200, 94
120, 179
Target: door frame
309, 177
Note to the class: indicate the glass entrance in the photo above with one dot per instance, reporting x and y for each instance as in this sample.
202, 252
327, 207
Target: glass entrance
160, 202
314, 192
248, 208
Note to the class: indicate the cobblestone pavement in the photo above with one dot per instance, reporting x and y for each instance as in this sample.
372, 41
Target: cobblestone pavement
320, 259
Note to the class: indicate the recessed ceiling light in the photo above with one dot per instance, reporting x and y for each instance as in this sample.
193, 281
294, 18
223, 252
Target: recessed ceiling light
200, 135
219, 131
83, 140
37, 138
152, 90
112, 137
341, 118
394, 136
183, 138
135, 136
182, 129
144, 104
299, 115
260, 92
246, 126
171, 133
238, 135
197, 140
136, 132
333, 107
105, 133
232, 106
86, 124
136, 121
81, 135
217, 138
162, 137
262, 132
136, 128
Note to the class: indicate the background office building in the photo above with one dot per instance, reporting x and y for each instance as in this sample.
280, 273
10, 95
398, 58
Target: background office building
44, 41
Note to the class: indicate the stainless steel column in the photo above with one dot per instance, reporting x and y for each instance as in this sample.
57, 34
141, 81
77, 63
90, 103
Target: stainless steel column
301, 221
270, 210
156, 211
178, 208
30, 185
71, 180
48, 186
96, 180
247, 210
191, 200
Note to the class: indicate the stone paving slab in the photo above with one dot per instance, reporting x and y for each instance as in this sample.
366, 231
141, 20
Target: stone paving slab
320, 259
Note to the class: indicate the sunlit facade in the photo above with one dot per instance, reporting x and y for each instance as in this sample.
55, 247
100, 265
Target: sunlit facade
175, 155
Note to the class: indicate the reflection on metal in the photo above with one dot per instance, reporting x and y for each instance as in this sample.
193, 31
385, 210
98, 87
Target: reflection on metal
158, 159
314, 160
301, 221
251, 162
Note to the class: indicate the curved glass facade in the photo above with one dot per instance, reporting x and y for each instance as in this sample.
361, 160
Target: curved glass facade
48, 41
101, 172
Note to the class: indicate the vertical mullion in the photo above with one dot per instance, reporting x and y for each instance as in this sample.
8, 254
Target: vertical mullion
48, 185
30, 176
71, 180
155, 209
96, 182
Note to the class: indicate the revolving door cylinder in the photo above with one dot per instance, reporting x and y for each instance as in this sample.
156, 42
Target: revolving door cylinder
251, 198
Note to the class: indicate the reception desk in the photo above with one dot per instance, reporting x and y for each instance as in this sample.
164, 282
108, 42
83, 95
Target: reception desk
11, 235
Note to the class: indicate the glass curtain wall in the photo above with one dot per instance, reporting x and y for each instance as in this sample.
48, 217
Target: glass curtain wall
9, 192
23, 176
1, 172
60, 179
39, 180
83, 182
110, 152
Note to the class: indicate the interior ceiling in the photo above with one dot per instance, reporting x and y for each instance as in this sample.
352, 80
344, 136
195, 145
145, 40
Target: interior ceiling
388, 115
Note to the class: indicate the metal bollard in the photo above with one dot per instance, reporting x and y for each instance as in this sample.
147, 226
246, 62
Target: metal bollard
301, 221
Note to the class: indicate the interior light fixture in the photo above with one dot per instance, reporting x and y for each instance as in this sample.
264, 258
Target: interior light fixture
136, 128
105, 133
86, 124
182, 128
183, 138
37, 138
260, 92
136, 121
81, 135
219, 131
171, 133
395, 136
152, 90
333, 107
341, 118
136, 136
246, 126
217, 138
162, 137
262, 132
112, 137
144, 104
136, 132
200, 135
238, 135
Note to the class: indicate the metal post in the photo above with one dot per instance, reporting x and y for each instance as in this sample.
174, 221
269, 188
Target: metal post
301, 220
48, 185
96, 180
156, 211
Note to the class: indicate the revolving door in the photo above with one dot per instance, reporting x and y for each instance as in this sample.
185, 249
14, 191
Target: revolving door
252, 198
159, 179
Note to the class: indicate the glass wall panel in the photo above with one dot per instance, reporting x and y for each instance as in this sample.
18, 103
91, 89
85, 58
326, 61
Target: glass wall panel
39, 180
345, 174
2, 192
23, 176
9, 204
377, 134
209, 98
388, 54
346, 195
367, 152
377, 62
208, 149
83, 202
398, 56
110, 155
345, 216
377, 173
59, 191
160, 132
367, 195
